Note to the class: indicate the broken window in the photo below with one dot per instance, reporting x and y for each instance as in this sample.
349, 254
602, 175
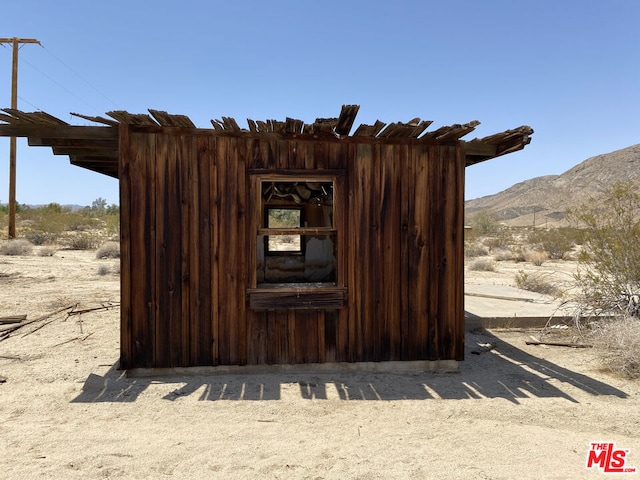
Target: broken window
296, 222
297, 238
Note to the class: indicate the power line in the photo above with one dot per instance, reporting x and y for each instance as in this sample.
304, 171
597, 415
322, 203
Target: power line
79, 76
61, 86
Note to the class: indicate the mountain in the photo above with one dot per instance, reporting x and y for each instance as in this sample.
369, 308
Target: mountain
544, 200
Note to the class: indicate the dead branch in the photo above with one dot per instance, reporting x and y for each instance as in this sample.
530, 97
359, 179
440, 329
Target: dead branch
82, 339
94, 309
559, 344
7, 333
13, 319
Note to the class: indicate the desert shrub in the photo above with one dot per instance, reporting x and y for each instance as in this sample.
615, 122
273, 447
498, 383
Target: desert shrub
472, 250
81, 241
483, 265
536, 258
109, 250
16, 247
47, 251
503, 255
483, 223
573, 234
41, 238
618, 344
103, 270
553, 241
502, 240
609, 262
535, 282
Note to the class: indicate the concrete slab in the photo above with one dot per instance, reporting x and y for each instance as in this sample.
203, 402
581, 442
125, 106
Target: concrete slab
502, 305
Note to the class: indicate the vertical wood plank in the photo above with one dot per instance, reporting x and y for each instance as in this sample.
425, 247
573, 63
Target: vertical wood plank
161, 298
291, 335
331, 317
355, 265
392, 160
227, 240
240, 152
320, 335
426, 245
186, 171
450, 325
344, 254
415, 194
140, 206
125, 184
214, 207
200, 259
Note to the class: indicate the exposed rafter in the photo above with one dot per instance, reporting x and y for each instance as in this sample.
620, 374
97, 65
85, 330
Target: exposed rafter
96, 147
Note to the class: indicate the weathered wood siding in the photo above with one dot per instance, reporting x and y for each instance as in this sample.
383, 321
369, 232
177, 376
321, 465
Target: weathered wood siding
189, 245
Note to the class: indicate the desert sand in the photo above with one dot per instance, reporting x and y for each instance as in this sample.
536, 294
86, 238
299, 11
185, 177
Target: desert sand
511, 411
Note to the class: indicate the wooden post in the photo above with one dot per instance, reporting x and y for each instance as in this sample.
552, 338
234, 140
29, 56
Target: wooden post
12, 141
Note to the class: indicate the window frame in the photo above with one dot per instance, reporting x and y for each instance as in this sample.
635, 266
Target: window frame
316, 296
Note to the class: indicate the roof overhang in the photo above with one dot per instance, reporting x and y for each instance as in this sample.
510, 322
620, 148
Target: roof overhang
96, 147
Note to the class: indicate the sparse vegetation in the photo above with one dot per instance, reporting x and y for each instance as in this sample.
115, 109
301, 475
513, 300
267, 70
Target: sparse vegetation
103, 270
47, 251
472, 250
483, 264
53, 223
535, 282
618, 343
16, 247
535, 257
609, 262
483, 223
81, 241
109, 250
554, 241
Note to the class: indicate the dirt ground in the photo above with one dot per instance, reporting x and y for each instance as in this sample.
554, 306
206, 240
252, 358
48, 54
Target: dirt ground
513, 411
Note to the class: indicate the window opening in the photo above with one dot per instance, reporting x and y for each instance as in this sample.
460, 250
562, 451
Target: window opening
288, 218
297, 239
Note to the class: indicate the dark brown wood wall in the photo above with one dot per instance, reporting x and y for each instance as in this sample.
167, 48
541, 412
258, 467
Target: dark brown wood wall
188, 250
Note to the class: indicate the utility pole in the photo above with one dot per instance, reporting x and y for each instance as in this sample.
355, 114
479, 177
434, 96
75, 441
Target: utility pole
12, 141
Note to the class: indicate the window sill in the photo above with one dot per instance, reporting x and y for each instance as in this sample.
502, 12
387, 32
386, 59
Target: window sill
297, 296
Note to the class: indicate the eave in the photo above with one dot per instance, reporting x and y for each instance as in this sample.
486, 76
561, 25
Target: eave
96, 147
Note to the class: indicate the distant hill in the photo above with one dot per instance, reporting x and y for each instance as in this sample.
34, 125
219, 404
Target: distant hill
551, 195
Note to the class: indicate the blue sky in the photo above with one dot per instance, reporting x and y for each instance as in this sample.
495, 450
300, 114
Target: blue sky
569, 69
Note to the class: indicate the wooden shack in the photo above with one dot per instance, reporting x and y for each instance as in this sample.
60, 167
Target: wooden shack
282, 243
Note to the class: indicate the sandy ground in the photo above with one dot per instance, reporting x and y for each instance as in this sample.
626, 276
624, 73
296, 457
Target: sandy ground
515, 411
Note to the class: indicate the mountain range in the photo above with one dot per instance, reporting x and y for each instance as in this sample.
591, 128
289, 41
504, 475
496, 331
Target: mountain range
543, 201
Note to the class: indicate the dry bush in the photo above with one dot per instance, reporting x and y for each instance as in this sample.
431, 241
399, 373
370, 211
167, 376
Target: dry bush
47, 251
609, 260
81, 241
16, 247
555, 242
483, 265
472, 250
504, 239
103, 270
503, 255
535, 257
535, 282
618, 344
41, 238
109, 250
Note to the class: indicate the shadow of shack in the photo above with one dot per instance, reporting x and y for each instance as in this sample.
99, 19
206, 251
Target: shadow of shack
283, 243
